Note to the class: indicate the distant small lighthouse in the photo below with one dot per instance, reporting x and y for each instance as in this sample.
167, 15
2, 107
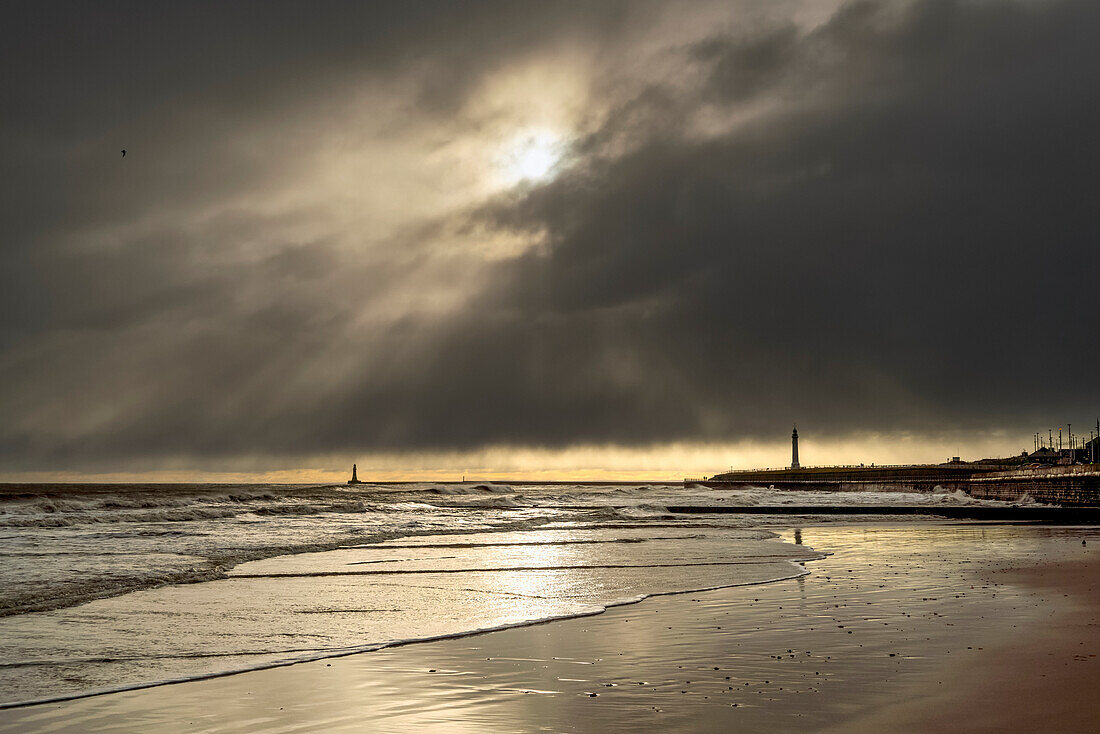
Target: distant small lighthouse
354, 478
794, 449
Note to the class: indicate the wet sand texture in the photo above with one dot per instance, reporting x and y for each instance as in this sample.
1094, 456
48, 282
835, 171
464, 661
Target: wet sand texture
859, 645
1044, 678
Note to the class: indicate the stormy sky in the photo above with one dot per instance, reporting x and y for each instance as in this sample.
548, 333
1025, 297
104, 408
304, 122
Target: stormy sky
544, 235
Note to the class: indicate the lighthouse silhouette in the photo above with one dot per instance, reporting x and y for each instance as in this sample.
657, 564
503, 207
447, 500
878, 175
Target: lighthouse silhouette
794, 449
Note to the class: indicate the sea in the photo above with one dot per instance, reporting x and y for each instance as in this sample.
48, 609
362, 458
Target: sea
107, 587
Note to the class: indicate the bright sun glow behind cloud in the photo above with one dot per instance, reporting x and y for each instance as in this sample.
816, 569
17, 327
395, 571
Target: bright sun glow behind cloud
531, 155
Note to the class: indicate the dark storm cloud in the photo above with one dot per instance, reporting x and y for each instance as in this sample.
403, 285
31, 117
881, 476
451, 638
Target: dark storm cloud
904, 244
185, 82
884, 223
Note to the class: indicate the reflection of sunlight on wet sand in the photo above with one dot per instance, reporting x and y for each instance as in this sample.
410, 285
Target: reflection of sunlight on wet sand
888, 604
528, 583
865, 543
295, 607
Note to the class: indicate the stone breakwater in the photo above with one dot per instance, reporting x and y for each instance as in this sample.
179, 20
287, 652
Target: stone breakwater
1000, 513
1071, 486
1057, 486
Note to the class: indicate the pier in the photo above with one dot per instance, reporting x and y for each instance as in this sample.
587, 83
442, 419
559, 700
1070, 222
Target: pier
1069, 486
1054, 515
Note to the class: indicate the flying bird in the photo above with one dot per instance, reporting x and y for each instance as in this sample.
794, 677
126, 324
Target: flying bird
123, 152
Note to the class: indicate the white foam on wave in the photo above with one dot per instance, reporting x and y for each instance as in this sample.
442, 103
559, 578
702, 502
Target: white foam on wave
193, 535
468, 489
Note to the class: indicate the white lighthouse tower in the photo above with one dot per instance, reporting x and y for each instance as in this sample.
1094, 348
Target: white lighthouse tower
794, 449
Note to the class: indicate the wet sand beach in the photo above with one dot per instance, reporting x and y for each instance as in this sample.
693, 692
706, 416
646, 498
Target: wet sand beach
915, 626
1045, 679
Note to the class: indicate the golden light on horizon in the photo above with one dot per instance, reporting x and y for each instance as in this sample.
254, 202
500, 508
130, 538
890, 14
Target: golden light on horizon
670, 461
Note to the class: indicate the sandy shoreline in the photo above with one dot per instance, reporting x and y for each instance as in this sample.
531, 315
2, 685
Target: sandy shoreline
1044, 679
905, 627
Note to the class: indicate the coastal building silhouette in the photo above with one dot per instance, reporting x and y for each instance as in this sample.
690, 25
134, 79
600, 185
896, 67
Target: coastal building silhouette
354, 477
1092, 451
794, 449
1044, 455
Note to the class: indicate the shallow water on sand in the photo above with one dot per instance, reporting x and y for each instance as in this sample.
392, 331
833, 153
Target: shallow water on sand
300, 573
891, 603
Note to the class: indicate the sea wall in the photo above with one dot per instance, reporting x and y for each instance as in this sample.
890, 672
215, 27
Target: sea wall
1071, 486
909, 473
